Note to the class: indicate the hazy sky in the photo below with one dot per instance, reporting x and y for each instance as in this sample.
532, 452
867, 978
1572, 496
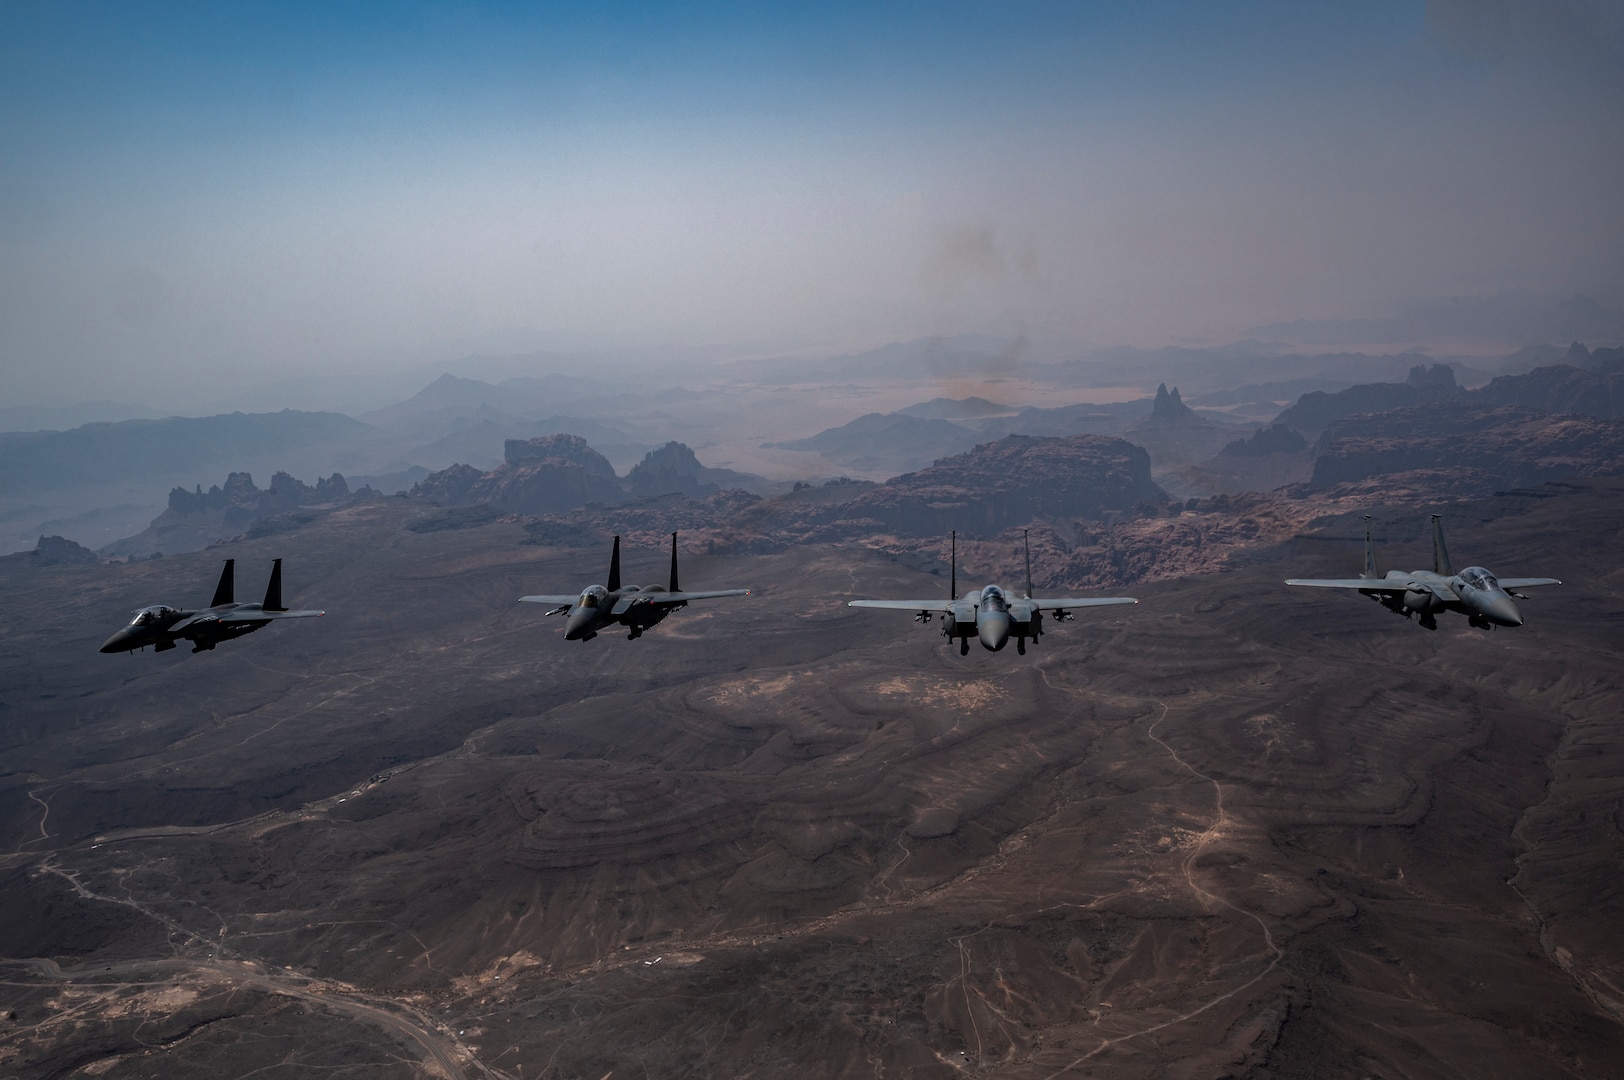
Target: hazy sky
193, 195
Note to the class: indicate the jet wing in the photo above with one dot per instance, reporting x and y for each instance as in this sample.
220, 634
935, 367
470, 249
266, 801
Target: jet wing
904, 605
554, 600
261, 616
239, 616
1367, 584
1526, 582
672, 599
1064, 604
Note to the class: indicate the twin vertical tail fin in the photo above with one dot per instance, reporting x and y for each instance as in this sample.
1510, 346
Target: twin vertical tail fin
1370, 552
1440, 554
273, 591
614, 568
674, 563
225, 592
953, 566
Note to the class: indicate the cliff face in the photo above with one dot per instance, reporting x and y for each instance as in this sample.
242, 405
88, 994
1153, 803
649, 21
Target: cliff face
1468, 448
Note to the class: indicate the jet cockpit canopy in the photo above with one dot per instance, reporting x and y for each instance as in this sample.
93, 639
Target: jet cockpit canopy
594, 596
992, 598
149, 615
1477, 577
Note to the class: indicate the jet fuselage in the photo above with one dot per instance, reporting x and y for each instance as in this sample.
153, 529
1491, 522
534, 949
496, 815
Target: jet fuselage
1474, 592
151, 626
595, 611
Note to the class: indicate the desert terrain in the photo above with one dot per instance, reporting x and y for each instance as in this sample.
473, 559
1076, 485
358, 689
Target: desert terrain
1232, 831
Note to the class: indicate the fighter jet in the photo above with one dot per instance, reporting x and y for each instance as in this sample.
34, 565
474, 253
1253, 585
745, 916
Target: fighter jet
160, 625
991, 615
1485, 600
602, 606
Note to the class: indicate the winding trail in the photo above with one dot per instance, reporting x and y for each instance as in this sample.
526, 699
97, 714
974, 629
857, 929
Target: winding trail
444, 1050
1219, 824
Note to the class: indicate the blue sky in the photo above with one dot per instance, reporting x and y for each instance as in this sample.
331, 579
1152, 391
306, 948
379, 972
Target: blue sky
190, 191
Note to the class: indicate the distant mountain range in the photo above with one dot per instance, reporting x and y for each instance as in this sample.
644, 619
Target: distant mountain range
1514, 318
64, 417
184, 450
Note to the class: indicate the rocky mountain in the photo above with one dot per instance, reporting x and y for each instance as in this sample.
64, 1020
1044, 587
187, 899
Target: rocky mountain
673, 469
1563, 388
537, 476
1466, 448
196, 518
55, 551
1083, 419
1015, 479
1270, 458
450, 398
1267, 442
912, 438
957, 409
991, 488
1176, 434
554, 473
1314, 412
884, 441
478, 438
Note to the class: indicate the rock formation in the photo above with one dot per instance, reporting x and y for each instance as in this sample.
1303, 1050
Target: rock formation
673, 469
551, 474
196, 518
537, 476
59, 551
1175, 434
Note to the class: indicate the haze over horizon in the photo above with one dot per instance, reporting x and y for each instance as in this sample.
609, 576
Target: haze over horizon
195, 199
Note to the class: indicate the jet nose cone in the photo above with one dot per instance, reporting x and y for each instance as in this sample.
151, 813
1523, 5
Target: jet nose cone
575, 629
119, 642
993, 630
1503, 611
